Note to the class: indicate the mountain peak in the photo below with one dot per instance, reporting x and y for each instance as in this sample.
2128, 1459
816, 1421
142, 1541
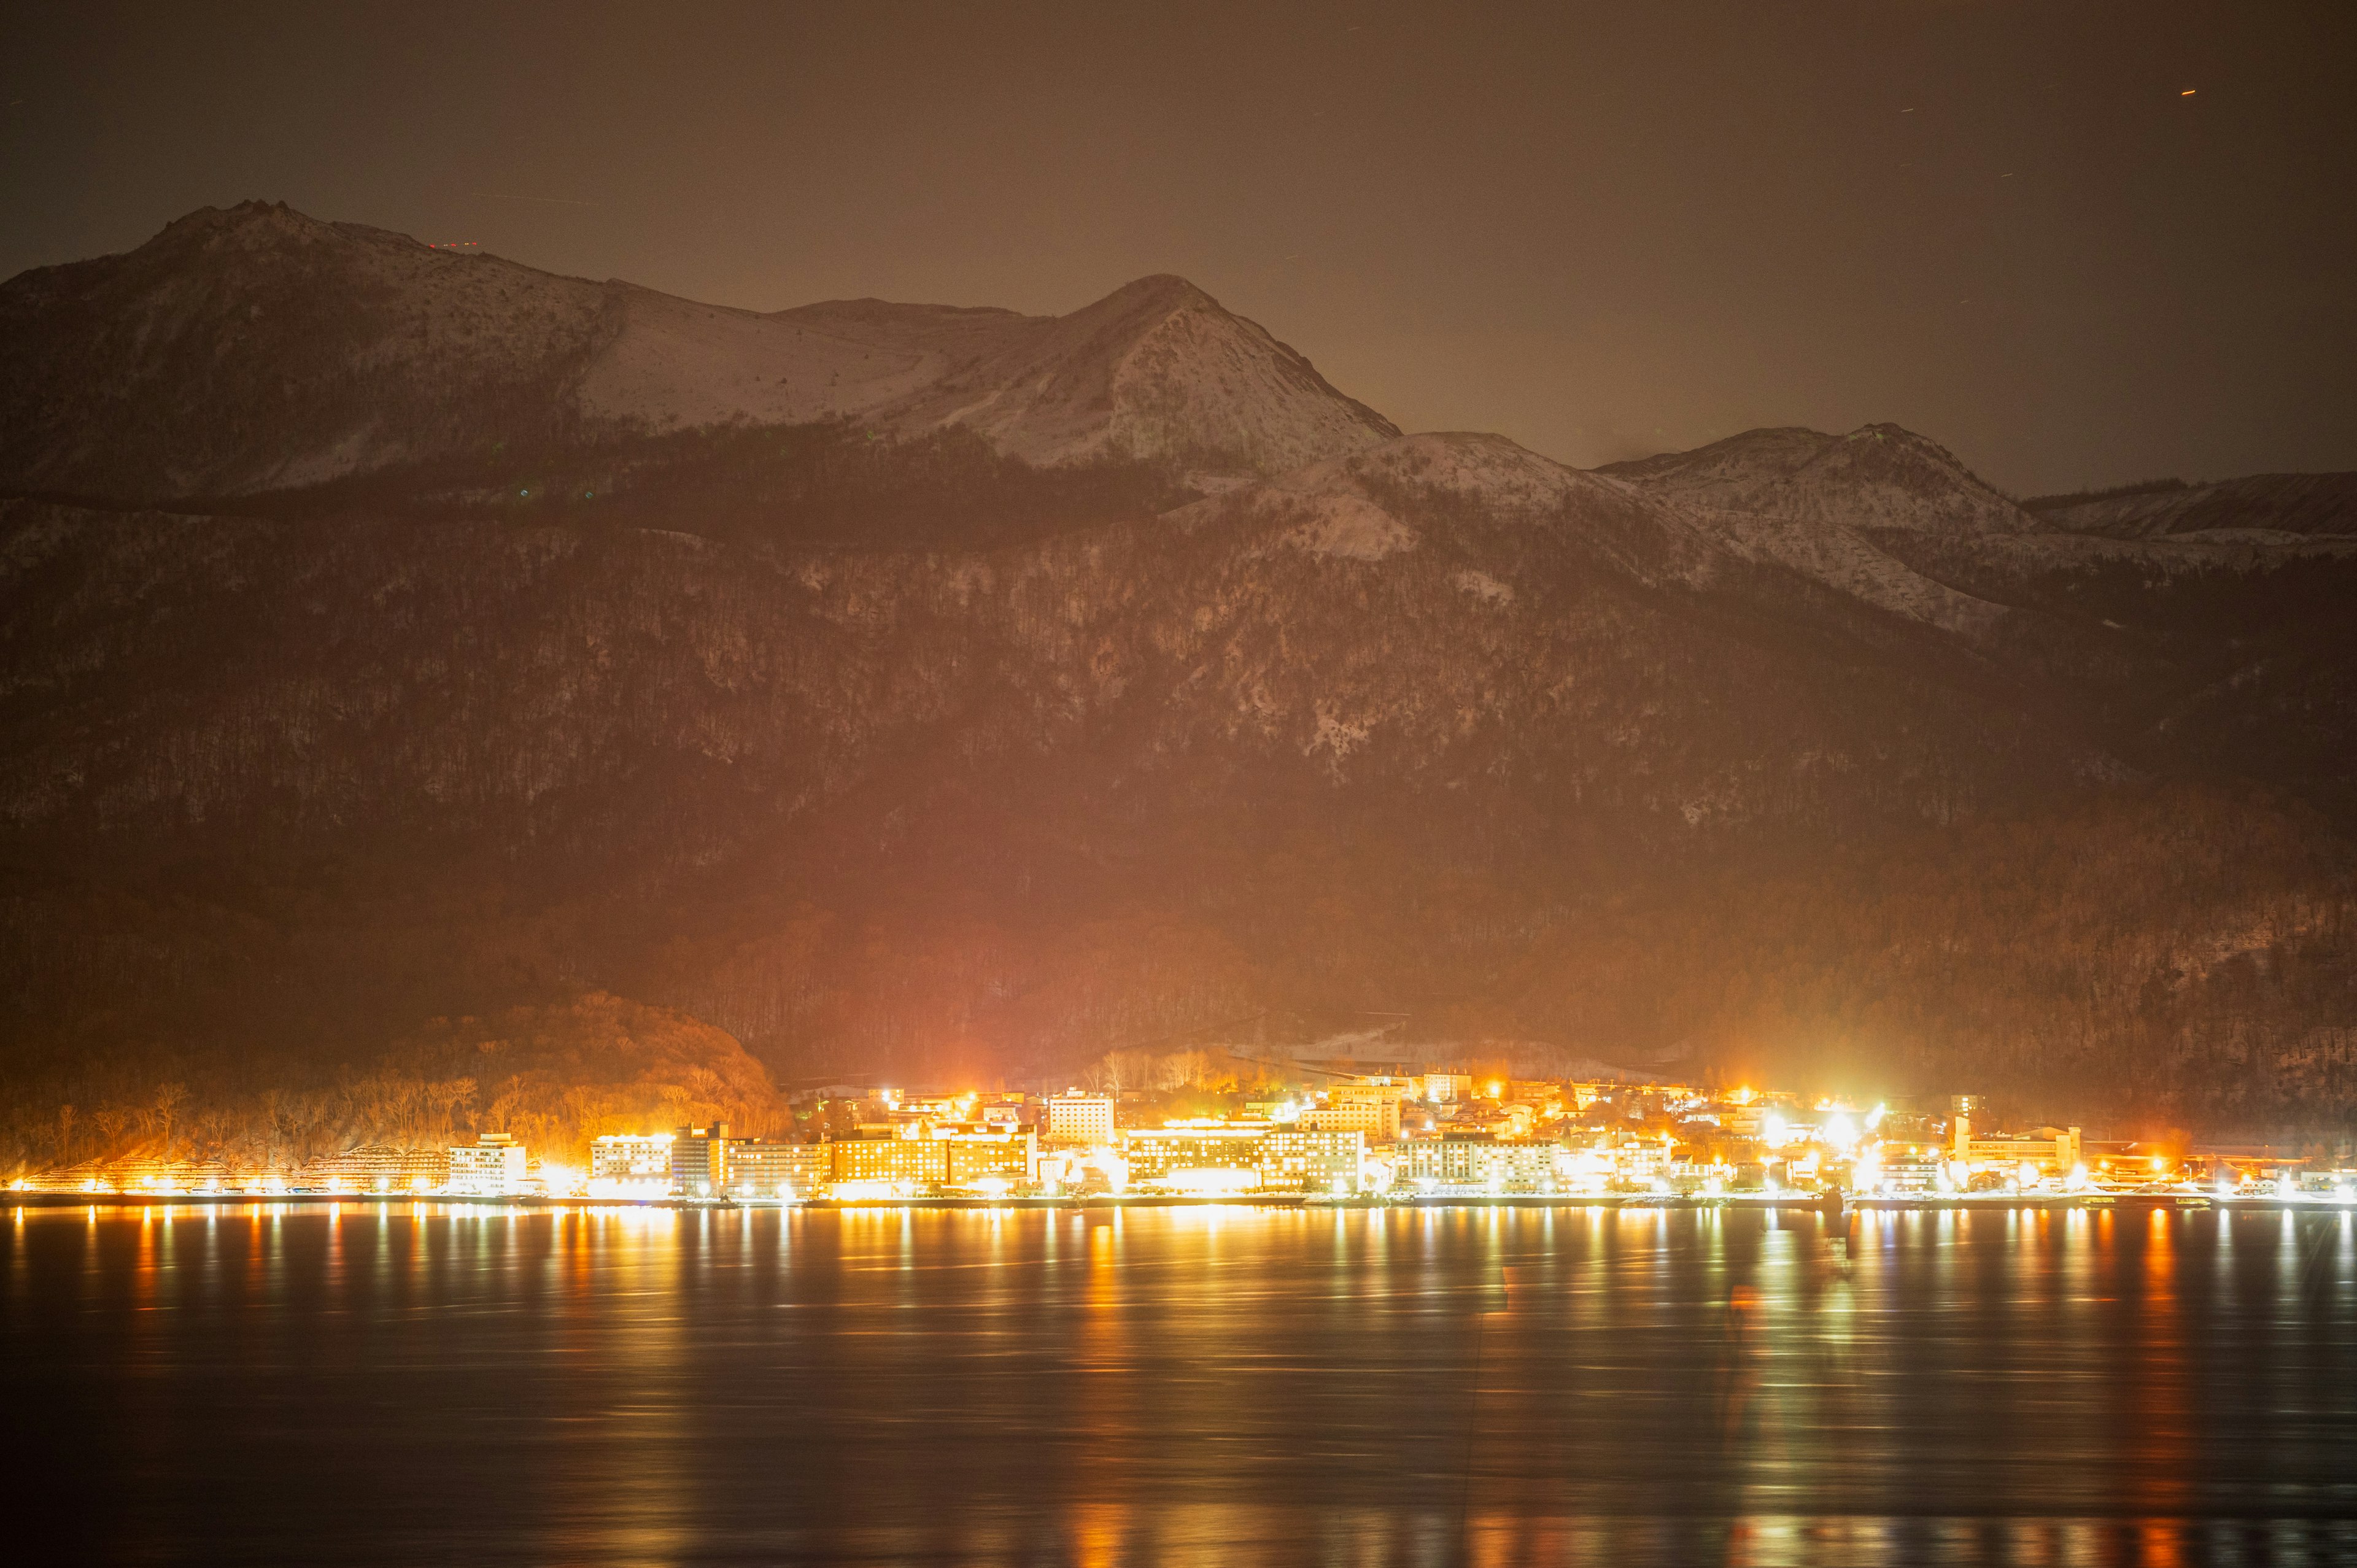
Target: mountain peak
259, 226
255, 214
1895, 443
1157, 368
1877, 476
1159, 288
254, 347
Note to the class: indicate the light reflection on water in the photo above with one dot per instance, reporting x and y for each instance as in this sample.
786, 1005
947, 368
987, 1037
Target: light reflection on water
396, 1382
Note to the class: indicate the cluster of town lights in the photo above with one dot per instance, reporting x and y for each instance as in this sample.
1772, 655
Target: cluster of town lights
1360, 1137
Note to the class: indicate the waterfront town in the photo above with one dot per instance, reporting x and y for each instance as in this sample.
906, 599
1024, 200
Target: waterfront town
1357, 1131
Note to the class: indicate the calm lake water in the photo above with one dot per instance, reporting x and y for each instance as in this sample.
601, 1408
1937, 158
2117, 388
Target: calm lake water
418, 1384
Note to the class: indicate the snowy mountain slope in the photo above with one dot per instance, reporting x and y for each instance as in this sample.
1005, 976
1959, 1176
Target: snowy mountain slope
257, 349
1876, 477
2314, 504
1155, 369
1832, 507
1895, 521
1382, 499
672, 362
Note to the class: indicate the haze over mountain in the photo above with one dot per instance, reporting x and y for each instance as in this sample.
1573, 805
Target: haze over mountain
1107, 680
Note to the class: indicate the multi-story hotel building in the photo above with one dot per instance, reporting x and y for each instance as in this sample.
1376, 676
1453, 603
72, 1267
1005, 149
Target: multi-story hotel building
1477, 1164
1372, 1109
1308, 1159
491, 1166
629, 1165
2050, 1149
699, 1161
1156, 1153
912, 1162
380, 1167
762, 1170
1007, 1154
1082, 1119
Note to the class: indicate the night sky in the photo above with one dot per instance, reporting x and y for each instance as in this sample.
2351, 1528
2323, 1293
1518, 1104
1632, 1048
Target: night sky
1603, 231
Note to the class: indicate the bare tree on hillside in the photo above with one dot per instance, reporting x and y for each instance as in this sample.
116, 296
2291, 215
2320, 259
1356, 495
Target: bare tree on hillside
274, 1123
449, 1096
169, 1097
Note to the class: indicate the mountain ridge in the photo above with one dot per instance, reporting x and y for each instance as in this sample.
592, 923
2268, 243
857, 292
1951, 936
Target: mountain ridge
255, 349
2315, 504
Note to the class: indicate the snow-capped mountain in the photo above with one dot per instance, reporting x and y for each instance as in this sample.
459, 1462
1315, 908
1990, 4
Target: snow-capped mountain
258, 348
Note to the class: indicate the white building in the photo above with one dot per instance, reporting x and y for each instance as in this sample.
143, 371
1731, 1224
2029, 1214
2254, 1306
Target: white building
1442, 1087
1479, 1165
493, 1167
1084, 1119
629, 1165
1370, 1108
2054, 1150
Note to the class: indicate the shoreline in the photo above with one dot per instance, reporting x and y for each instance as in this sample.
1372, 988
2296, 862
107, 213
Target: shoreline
1636, 1201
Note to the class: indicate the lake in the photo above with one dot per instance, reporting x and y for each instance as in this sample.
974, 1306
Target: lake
410, 1383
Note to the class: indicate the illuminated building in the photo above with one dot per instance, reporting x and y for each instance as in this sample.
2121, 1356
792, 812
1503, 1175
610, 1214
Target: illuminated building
1077, 1118
1368, 1108
2050, 1149
1910, 1173
1007, 1155
1001, 1110
1746, 1121
491, 1166
1206, 1156
380, 1167
629, 1165
908, 1157
1443, 1087
1477, 1165
699, 1161
1156, 1153
1544, 1096
912, 1162
1314, 1159
759, 1168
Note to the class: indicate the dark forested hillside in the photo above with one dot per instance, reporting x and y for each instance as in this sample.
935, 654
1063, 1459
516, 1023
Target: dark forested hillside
764, 731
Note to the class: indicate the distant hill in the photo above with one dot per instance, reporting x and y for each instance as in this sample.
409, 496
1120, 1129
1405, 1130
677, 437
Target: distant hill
2323, 504
1876, 477
557, 1076
554, 1077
